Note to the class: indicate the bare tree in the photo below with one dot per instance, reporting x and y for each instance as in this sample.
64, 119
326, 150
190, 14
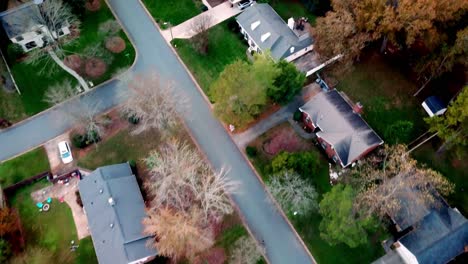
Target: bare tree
60, 92
200, 26
212, 191
180, 179
384, 183
85, 114
152, 101
173, 169
293, 193
245, 251
176, 234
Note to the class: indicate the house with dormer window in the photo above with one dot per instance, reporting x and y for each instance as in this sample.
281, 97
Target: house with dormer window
24, 25
264, 29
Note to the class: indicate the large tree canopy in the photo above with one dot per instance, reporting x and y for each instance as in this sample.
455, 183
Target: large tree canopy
353, 24
339, 224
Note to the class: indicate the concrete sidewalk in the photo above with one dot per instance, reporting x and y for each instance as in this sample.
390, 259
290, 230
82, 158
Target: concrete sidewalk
218, 14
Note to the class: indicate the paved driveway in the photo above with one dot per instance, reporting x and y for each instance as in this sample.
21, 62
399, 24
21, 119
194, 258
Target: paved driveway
262, 218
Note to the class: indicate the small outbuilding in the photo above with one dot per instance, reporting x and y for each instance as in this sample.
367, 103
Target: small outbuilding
434, 106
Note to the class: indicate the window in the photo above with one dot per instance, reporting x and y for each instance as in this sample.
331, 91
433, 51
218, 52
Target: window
19, 38
31, 45
324, 145
60, 32
335, 158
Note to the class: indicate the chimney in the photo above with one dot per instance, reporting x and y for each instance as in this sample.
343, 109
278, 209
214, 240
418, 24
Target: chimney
291, 23
111, 201
358, 108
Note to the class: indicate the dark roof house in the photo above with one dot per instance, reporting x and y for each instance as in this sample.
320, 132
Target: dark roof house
439, 236
345, 135
115, 208
264, 29
20, 20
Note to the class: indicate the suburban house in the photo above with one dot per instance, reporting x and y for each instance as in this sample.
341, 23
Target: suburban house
434, 234
114, 206
265, 30
434, 106
23, 26
339, 128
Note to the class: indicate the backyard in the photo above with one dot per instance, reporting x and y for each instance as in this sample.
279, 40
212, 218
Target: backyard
307, 225
173, 11
48, 235
292, 8
451, 166
386, 96
225, 47
33, 85
23, 167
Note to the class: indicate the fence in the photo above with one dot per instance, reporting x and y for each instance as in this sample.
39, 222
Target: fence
10, 189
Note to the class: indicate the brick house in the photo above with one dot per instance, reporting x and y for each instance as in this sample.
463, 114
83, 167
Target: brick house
341, 132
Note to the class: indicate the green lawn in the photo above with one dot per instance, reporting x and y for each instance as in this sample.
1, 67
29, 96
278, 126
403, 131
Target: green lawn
123, 147
386, 95
452, 168
224, 48
11, 107
173, 11
53, 230
23, 167
33, 85
292, 8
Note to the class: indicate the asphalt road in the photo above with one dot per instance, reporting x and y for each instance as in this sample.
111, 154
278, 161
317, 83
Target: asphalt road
265, 222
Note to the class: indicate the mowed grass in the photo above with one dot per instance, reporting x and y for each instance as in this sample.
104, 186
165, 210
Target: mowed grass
452, 167
123, 147
33, 84
11, 107
225, 47
386, 95
53, 230
23, 167
173, 11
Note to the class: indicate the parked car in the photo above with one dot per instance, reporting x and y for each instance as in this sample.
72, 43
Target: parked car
65, 152
244, 4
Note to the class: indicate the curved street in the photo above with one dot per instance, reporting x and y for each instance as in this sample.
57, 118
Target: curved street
266, 223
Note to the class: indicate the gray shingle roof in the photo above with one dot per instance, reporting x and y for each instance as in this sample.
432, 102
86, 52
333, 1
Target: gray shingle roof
20, 20
439, 237
282, 38
349, 134
116, 230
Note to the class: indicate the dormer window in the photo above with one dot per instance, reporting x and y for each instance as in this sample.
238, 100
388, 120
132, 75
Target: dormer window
254, 25
265, 36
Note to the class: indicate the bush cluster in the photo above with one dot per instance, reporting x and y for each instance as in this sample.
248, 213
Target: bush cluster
82, 141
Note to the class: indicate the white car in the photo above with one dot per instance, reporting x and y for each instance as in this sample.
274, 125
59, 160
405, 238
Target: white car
65, 152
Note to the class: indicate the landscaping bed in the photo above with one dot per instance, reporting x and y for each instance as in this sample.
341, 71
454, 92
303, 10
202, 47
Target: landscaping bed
173, 11
23, 167
225, 46
34, 85
307, 225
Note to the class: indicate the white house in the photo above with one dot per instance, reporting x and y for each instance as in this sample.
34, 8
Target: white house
264, 29
23, 26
